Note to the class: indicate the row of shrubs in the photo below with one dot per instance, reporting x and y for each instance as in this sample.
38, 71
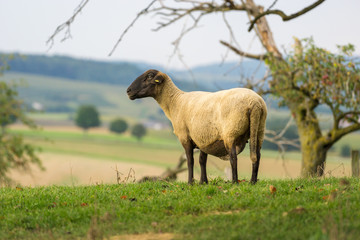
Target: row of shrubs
120, 126
87, 116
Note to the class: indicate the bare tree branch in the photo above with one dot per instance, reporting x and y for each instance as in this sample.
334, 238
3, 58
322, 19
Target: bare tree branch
283, 15
204, 8
279, 139
262, 28
241, 53
272, 5
66, 25
144, 11
281, 142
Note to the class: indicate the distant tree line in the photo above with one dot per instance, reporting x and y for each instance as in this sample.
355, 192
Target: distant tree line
82, 70
119, 73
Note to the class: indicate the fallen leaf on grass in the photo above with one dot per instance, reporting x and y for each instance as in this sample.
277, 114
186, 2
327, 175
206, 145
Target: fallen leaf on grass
242, 180
84, 204
19, 188
272, 189
123, 197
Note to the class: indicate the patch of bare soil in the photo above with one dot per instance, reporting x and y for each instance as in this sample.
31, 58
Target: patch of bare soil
146, 236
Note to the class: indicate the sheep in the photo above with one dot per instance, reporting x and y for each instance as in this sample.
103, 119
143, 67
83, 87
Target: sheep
217, 123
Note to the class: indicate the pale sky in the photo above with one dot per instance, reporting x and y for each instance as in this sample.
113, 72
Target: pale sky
25, 26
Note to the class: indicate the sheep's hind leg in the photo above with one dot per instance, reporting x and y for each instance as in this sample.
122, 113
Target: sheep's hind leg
189, 150
233, 162
255, 167
202, 161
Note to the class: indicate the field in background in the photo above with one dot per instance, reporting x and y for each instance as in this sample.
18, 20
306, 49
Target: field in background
65, 95
72, 157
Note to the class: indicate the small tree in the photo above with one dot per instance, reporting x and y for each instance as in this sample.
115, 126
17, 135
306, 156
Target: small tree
138, 131
310, 77
87, 116
14, 152
118, 126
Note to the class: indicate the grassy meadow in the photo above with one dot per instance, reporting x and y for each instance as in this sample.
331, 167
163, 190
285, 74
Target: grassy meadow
272, 209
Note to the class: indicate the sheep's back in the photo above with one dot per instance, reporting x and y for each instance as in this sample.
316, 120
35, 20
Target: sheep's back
209, 118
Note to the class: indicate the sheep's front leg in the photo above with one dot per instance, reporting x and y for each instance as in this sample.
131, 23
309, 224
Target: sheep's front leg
202, 161
189, 150
255, 167
233, 162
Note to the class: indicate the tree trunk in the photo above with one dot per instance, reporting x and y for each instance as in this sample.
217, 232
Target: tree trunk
312, 148
313, 158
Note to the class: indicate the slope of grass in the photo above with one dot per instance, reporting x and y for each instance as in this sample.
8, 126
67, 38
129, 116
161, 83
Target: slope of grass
297, 209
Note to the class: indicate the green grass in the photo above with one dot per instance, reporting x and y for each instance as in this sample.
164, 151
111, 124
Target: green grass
158, 148
299, 209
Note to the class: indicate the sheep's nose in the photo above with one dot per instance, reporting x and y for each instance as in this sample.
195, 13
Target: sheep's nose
128, 90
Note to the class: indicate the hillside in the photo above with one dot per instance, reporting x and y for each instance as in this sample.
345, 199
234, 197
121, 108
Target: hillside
207, 77
82, 70
62, 95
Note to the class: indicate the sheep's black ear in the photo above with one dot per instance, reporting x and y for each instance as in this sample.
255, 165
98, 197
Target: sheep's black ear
158, 79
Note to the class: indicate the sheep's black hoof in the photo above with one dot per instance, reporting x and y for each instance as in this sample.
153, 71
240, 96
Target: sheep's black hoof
203, 181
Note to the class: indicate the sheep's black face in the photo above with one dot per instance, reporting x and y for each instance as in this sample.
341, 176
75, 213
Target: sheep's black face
145, 84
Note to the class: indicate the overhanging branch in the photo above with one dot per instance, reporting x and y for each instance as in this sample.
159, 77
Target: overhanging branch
66, 25
283, 15
144, 11
241, 53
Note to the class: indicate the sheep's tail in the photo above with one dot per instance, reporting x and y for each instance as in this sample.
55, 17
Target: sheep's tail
257, 128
